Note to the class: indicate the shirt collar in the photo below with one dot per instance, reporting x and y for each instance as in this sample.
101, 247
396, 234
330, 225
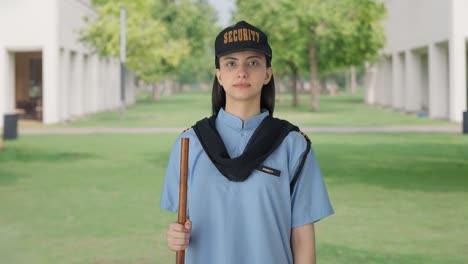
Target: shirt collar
235, 122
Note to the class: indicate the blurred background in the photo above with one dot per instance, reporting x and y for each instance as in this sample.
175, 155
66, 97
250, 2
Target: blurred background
94, 93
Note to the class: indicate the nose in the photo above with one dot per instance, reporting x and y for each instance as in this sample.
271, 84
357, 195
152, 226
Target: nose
242, 72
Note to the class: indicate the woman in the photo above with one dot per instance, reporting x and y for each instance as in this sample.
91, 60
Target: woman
254, 184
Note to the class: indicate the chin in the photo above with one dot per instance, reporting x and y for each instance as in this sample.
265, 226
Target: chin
244, 98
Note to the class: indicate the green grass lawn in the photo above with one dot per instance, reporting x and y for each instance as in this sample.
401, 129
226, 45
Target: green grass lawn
184, 109
399, 198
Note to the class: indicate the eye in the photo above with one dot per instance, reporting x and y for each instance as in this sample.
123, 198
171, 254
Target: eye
254, 63
230, 64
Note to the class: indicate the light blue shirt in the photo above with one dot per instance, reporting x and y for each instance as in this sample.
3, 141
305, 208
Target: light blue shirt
245, 222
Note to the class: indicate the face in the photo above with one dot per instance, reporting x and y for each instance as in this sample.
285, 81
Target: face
242, 75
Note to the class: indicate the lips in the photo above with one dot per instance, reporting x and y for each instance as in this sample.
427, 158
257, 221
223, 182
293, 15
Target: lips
242, 85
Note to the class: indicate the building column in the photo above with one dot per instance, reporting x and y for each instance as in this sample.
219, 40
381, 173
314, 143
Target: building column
388, 82
107, 95
111, 83
413, 87
94, 82
115, 83
424, 80
72, 85
380, 82
112, 91
86, 95
457, 61
370, 83
105, 87
64, 108
438, 81
3, 82
78, 84
102, 85
457, 93
398, 80
7, 83
100, 90
51, 91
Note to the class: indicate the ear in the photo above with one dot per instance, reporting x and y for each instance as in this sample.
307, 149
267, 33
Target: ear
269, 73
218, 75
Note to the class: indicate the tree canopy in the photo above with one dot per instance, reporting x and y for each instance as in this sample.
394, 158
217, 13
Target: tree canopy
174, 39
165, 39
318, 36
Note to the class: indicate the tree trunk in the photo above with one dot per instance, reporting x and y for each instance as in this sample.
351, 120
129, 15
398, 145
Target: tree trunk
353, 79
323, 86
279, 86
155, 94
315, 91
332, 86
293, 82
168, 87
177, 87
294, 88
348, 82
301, 86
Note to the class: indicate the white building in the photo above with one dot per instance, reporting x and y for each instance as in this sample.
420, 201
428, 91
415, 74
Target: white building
424, 65
45, 72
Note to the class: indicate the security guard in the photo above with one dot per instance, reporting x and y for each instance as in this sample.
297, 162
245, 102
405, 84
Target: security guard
254, 185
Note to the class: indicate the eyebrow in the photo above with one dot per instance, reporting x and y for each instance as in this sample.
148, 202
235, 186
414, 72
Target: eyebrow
234, 58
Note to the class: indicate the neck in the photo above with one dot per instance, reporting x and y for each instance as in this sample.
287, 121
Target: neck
243, 110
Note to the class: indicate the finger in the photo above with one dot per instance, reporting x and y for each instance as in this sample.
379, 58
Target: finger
188, 225
178, 235
178, 241
177, 244
176, 227
177, 248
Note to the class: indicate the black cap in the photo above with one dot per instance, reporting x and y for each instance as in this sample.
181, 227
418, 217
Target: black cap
240, 37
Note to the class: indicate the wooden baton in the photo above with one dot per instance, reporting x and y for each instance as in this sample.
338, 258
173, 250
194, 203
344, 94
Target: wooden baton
182, 214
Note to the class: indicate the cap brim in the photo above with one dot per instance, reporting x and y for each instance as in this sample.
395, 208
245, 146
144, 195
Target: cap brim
242, 49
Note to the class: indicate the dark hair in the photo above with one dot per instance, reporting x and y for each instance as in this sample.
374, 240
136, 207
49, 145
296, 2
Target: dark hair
267, 98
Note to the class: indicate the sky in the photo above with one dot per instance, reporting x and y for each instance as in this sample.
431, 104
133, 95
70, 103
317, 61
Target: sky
224, 8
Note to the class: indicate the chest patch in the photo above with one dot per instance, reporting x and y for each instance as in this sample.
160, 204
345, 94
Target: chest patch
269, 170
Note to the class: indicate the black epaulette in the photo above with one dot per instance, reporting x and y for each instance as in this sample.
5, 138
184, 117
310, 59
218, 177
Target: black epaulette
305, 136
186, 130
301, 164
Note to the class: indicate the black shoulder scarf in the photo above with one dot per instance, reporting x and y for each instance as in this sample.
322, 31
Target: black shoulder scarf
266, 138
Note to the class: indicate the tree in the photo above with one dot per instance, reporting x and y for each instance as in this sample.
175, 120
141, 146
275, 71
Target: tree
150, 49
276, 19
195, 23
328, 34
341, 33
166, 39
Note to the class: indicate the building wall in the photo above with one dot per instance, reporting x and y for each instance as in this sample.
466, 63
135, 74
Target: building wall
71, 19
458, 59
20, 22
415, 23
427, 40
75, 81
85, 91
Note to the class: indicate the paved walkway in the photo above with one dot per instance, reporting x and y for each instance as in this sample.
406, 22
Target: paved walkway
148, 130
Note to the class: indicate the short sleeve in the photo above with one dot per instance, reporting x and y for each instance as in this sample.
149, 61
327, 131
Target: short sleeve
310, 201
170, 192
